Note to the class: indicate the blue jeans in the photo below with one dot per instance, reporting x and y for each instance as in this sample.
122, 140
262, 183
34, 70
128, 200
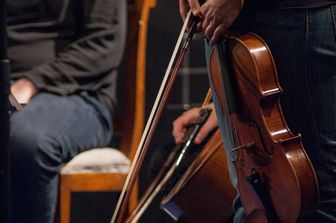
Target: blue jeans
303, 44
48, 132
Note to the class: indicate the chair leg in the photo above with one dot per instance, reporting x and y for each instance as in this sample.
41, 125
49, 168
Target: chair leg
65, 202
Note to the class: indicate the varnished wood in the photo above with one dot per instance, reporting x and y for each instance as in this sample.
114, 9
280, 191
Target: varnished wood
264, 142
86, 182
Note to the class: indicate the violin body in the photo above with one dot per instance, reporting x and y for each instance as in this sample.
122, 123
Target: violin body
275, 176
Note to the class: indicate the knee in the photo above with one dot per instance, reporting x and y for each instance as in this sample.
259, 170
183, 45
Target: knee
33, 148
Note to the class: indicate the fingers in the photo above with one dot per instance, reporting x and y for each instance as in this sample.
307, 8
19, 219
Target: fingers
207, 18
209, 30
218, 17
184, 8
217, 34
186, 5
214, 30
213, 25
207, 128
194, 7
181, 124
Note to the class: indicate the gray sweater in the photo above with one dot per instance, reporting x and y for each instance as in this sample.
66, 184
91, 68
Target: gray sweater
68, 46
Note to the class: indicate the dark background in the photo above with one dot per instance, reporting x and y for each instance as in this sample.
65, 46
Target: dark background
189, 90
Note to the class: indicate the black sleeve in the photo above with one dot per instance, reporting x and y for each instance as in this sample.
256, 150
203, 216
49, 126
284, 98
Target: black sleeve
87, 60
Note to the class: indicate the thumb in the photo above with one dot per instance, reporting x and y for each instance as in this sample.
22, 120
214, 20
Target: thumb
194, 7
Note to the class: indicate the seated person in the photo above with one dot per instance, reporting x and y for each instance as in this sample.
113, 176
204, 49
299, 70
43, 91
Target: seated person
64, 57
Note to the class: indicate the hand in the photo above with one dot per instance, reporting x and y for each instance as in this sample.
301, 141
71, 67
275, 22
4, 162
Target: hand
23, 90
181, 124
186, 5
218, 17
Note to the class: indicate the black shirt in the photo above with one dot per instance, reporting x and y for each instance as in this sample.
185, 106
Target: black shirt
306, 3
67, 46
294, 3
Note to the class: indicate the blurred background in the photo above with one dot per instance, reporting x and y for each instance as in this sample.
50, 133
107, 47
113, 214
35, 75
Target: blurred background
189, 90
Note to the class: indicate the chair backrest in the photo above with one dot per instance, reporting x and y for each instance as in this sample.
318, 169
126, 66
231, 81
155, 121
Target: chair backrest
130, 123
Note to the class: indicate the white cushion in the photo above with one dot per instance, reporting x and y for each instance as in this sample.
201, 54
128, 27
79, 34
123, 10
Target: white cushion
96, 160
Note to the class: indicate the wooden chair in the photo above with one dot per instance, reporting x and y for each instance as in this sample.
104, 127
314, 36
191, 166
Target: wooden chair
105, 169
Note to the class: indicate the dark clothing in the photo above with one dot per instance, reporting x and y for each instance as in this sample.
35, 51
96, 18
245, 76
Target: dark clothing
67, 46
305, 3
304, 50
70, 49
282, 4
49, 131
303, 44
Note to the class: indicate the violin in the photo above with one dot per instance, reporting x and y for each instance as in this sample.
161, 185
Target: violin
276, 180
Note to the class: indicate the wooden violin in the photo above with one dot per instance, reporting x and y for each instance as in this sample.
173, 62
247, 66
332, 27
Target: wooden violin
276, 180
